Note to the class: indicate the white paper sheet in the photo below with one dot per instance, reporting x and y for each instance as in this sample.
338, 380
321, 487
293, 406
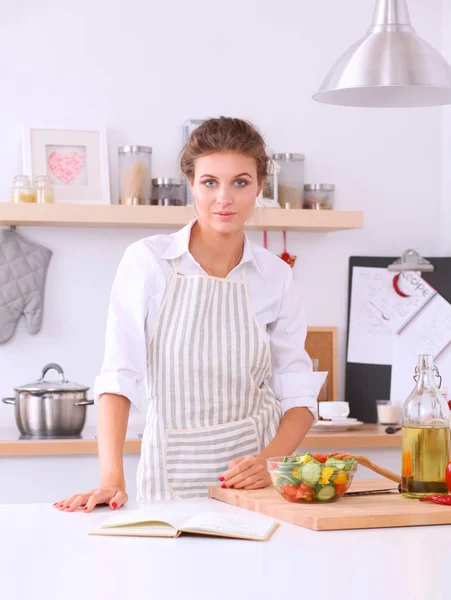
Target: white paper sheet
428, 333
370, 342
396, 311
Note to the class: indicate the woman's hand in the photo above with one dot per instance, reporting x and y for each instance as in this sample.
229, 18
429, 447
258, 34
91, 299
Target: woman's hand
114, 496
246, 473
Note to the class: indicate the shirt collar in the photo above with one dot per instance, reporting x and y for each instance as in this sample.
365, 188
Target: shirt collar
180, 245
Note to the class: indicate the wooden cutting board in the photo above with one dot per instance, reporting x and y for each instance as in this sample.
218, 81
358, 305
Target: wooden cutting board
352, 512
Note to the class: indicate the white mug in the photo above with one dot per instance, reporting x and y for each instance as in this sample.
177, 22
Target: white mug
333, 410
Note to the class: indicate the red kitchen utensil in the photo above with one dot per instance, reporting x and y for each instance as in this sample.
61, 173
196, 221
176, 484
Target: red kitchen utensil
286, 256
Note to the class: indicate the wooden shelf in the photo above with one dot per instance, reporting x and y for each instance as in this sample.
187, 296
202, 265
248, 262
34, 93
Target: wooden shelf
172, 217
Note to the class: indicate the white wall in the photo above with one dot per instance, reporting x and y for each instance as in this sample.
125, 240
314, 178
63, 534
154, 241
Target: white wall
141, 68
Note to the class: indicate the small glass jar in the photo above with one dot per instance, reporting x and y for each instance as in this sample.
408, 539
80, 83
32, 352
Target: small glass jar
22, 190
319, 196
168, 191
44, 189
290, 179
135, 174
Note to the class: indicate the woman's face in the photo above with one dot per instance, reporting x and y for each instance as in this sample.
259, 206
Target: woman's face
225, 187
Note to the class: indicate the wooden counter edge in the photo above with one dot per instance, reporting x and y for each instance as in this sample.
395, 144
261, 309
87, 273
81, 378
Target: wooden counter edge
368, 436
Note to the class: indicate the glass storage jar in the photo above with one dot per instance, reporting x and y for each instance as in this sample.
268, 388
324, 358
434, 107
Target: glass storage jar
168, 191
135, 174
319, 196
22, 190
290, 179
44, 189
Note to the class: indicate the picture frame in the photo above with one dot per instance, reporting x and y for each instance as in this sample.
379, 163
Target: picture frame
321, 343
75, 160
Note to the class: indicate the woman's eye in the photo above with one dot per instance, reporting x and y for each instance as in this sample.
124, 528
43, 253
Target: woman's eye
208, 181
241, 182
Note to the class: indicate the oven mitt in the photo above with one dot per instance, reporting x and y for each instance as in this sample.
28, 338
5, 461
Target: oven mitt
23, 269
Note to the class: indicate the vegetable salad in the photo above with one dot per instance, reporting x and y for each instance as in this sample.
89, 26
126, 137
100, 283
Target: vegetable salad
312, 477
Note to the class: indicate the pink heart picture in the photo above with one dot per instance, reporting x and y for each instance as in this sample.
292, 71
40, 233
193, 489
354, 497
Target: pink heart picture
65, 167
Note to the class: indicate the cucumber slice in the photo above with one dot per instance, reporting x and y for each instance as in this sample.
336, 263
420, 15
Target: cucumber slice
287, 479
326, 493
335, 463
310, 473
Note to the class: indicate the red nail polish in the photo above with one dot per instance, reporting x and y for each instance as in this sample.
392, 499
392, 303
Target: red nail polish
114, 505
232, 487
85, 508
221, 479
68, 506
223, 485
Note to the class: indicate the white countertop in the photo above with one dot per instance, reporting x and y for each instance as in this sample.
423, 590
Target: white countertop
47, 554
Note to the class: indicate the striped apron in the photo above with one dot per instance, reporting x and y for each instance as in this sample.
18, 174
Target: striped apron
207, 363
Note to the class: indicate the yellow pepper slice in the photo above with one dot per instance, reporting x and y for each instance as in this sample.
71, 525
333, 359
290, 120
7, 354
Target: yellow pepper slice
307, 458
341, 478
325, 475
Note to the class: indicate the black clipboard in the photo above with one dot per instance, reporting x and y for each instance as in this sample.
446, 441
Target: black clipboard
364, 384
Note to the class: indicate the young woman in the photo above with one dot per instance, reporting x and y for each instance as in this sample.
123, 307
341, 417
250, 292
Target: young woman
205, 336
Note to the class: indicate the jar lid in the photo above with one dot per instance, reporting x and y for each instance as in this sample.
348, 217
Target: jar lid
319, 187
166, 181
288, 156
134, 149
42, 385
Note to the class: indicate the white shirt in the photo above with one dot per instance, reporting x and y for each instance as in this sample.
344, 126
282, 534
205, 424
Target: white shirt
138, 290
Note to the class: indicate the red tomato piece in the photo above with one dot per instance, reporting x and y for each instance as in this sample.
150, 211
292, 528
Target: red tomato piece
290, 490
321, 457
340, 488
448, 477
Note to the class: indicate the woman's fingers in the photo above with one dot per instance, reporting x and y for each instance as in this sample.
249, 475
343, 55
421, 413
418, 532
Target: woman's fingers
237, 466
260, 483
98, 497
78, 501
118, 500
63, 504
255, 468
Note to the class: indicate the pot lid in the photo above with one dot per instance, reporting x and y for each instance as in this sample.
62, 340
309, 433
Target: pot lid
42, 385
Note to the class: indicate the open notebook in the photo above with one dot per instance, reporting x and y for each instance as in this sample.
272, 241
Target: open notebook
152, 522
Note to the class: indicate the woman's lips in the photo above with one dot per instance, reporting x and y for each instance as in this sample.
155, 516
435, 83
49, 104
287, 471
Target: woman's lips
224, 215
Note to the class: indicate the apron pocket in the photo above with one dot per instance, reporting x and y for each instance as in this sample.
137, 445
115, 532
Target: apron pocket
195, 458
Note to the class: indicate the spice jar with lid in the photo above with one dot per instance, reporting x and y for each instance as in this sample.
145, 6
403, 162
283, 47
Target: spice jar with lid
319, 196
44, 189
290, 179
135, 174
22, 190
168, 191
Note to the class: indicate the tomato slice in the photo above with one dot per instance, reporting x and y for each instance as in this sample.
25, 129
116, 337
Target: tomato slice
448, 476
321, 457
290, 490
340, 488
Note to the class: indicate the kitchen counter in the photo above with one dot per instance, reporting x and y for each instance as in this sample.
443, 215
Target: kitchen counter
46, 554
11, 444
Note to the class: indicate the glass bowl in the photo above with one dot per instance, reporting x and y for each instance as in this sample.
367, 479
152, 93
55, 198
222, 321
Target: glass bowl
309, 478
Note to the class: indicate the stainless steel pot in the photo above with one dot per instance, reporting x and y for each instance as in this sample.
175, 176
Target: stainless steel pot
50, 408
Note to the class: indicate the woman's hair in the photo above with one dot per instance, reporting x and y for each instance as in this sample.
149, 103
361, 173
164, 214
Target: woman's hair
225, 134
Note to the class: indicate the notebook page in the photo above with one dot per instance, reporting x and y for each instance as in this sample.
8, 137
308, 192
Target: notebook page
217, 522
148, 515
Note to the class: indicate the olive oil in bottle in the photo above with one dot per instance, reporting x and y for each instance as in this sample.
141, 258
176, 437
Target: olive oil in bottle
425, 434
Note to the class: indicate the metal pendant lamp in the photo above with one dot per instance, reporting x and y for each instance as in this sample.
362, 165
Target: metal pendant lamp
390, 67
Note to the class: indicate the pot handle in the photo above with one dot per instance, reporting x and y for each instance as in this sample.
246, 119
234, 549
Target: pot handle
84, 403
9, 400
57, 368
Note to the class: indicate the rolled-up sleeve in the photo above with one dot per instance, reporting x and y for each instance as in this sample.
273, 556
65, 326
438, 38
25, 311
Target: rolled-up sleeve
123, 369
293, 380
